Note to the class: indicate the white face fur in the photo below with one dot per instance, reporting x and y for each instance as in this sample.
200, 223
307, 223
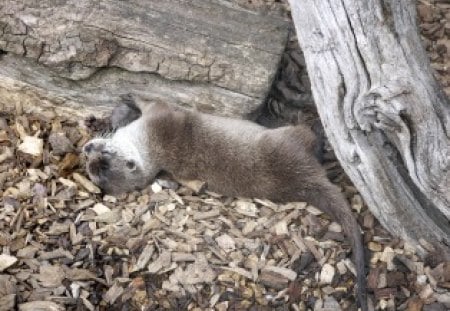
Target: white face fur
117, 164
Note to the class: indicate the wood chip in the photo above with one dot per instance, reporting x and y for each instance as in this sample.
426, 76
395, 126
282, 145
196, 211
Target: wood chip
327, 304
206, 215
144, 258
57, 253
182, 257
40, 306
314, 210
100, 209
32, 145
246, 208
197, 186
109, 217
273, 280
313, 249
281, 228
113, 293
6, 261
78, 274
226, 243
249, 227
327, 274
58, 228
426, 292
86, 183
198, 272
415, 304
282, 272
335, 227
375, 247
163, 261
388, 256
385, 293
51, 276
5, 154
60, 143
240, 271
156, 187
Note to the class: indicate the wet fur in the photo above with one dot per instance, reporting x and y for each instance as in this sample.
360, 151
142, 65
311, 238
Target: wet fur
241, 158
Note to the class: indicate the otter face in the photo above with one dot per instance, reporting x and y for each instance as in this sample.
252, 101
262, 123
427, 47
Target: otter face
114, 167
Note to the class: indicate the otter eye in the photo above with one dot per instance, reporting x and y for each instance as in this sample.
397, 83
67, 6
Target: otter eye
131, 165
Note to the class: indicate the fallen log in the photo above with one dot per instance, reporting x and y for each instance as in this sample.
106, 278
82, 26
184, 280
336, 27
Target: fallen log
80, 56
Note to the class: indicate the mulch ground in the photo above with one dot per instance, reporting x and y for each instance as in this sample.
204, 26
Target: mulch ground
65, 246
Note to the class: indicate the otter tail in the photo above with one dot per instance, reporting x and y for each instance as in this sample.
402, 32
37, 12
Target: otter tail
332, 202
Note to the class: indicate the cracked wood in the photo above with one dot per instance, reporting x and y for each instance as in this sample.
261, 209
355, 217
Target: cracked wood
227, 54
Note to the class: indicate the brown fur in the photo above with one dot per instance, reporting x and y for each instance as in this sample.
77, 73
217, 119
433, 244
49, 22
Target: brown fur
239, 158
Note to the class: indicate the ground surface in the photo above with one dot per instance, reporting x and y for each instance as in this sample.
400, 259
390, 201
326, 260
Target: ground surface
67, 247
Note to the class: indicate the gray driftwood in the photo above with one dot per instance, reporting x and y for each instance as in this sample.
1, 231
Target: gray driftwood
82, 54
383, 111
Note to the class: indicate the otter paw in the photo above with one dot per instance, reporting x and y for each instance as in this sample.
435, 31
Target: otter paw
96, 125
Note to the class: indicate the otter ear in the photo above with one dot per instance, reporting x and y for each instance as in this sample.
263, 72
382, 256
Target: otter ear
125, 113
131, 165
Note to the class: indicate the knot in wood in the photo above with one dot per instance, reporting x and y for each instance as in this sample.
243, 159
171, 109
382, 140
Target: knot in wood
77, 57
383, 107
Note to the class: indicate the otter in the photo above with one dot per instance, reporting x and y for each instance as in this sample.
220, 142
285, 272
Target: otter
234, 157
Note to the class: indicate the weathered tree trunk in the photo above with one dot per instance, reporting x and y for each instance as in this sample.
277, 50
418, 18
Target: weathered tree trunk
383, 111
80, 55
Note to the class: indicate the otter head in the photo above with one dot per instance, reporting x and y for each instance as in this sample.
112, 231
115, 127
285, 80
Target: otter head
116, 164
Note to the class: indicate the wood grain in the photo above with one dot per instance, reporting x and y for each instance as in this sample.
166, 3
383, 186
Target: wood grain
205, 54
384, 113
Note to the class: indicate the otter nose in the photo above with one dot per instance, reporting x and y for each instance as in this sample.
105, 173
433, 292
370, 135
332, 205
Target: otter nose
88, 148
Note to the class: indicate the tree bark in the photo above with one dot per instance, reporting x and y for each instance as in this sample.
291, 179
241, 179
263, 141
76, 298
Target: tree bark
81, 54
384, 113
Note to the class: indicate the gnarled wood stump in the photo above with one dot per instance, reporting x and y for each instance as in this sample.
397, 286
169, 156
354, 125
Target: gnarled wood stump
383, 111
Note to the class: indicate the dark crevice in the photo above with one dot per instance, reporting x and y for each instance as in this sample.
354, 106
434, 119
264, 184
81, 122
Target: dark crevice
342, 89
413, 136
429, 208
264, 113
2, 53
279, 108
25, 51
440, 110
101, 70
